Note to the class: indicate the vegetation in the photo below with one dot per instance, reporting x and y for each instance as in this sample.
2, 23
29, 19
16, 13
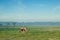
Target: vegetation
34, 33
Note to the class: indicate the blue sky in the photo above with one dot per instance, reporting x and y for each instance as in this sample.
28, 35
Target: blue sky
30, 10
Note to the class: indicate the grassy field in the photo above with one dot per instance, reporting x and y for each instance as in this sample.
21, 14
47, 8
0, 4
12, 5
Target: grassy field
34, 33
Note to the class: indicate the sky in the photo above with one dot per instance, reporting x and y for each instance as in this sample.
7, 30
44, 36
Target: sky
30, 10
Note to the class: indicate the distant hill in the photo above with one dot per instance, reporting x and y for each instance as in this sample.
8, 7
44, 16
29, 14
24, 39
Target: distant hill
30, 23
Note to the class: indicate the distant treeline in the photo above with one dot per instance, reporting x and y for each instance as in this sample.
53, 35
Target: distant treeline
7, 24
29, 24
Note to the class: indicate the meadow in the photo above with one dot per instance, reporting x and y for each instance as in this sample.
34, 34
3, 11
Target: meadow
34, 33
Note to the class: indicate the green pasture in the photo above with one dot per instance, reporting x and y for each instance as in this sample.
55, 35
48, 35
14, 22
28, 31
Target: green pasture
34, 33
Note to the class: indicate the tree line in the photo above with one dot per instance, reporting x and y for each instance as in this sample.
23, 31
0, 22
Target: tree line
8, 24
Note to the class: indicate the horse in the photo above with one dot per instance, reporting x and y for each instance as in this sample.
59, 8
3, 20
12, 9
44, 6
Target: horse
23, 29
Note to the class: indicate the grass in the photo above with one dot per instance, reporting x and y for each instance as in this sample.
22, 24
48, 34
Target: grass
34, 33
